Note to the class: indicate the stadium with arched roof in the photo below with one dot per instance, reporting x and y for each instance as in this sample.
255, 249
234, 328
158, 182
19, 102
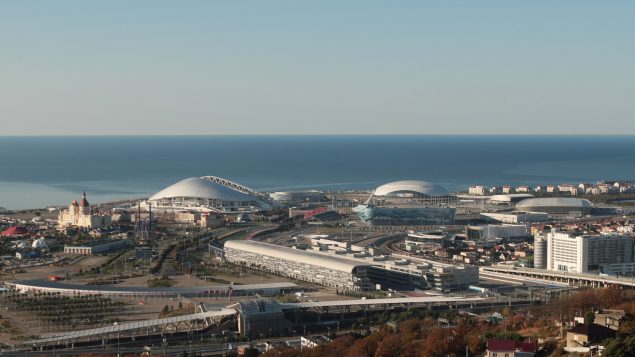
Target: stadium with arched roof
408, 202
211, 194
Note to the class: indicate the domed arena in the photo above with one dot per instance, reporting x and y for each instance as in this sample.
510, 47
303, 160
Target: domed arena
408, 202
556, 205
410, 188
209, 194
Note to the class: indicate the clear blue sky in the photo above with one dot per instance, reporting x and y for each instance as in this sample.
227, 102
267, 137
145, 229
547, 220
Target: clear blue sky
317, 67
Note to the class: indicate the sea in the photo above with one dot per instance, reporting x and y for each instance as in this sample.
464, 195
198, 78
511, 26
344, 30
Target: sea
37, 172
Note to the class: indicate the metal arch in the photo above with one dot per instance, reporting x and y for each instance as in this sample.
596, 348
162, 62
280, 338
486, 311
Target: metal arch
232, 185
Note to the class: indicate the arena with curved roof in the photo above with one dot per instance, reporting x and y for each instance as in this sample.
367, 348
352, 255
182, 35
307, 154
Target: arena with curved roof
209, 193
410, 187
556, 205
408, 202
338, 272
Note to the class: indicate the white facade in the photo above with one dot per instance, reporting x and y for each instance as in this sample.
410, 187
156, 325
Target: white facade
478, 190
609, 254
514, 218
208, 194
80, 215
496, 231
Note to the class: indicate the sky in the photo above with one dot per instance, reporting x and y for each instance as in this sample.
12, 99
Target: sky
316, 67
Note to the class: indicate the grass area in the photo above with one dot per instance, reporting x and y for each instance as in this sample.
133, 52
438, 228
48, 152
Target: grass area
160, 283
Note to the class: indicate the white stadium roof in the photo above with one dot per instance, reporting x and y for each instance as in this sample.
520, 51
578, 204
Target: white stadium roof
509, 197
298, 255
422, 187
203, 187
554, 202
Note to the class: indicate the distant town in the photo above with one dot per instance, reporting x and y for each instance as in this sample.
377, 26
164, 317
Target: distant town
208, 266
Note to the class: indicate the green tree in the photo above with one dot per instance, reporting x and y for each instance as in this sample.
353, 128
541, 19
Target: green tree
620, 347
589, 318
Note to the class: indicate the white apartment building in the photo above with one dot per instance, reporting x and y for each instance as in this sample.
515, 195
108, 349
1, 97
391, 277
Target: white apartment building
478, 190
573, 190
493, 231
608, 254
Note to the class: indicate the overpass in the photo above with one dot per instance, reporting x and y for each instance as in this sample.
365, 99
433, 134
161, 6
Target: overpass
211, 315
561, 277
190, 322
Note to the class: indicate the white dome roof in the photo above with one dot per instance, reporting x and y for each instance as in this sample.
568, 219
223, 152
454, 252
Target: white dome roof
202, 188
422, 187
555, 202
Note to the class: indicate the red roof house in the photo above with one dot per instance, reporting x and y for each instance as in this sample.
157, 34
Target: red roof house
511, 348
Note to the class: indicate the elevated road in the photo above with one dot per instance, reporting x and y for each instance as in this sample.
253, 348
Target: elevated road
389, 301
129, 327
561, 277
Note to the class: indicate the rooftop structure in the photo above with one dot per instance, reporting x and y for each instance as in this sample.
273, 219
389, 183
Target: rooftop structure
408, 203
510, 198
410, 187
510, 348
290, 197
210, 194
334, 271
97, 247
515, 217
14, 231
556, 205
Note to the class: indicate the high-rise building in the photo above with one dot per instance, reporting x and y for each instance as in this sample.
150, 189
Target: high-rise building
608, 254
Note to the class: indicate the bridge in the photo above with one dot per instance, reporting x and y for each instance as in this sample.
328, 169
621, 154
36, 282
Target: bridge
183, 323
562, 277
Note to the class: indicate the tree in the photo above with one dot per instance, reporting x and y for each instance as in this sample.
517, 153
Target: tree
620, 347
589, 318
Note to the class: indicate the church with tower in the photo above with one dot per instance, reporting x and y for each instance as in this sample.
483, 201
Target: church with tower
79, 214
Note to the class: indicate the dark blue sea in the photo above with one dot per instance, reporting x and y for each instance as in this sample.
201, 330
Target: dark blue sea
41, 171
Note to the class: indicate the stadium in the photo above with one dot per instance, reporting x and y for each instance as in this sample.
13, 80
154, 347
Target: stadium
556, 206
408, 203
209, 194
333, 271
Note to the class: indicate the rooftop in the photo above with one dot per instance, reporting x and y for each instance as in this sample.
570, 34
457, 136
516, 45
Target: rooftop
298, 255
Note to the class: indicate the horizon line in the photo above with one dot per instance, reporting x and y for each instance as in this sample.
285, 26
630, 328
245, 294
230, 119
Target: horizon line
315, 135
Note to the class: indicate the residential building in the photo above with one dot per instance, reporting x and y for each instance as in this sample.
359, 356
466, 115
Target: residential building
510, 348
608, 254
477, 190
586, 335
